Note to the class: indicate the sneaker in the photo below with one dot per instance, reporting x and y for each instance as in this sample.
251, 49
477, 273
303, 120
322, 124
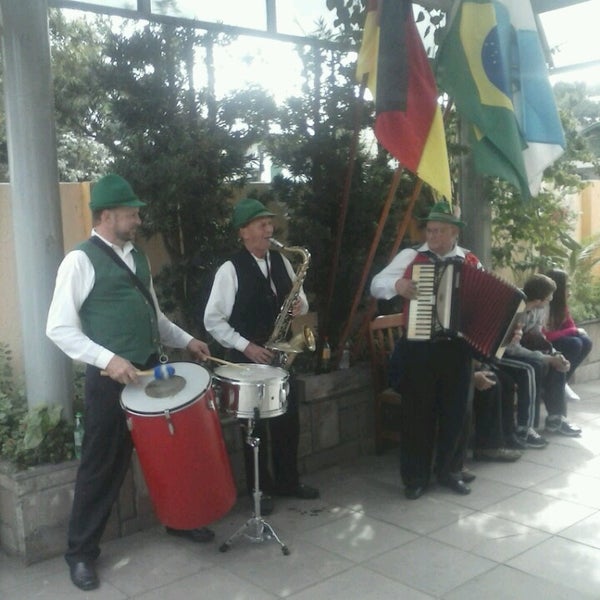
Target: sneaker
516, 441
534, 440
559, 424
497, 454
570, 394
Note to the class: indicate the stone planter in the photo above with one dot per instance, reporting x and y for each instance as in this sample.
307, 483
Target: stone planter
336, 413
34, 508
336, 417
589, 370
35, 505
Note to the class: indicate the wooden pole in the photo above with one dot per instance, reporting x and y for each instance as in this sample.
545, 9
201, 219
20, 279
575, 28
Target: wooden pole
385, 211
324, 325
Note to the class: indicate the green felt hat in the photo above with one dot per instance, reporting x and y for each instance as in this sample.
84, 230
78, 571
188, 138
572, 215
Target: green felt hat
247, 210
442, 211
111, 191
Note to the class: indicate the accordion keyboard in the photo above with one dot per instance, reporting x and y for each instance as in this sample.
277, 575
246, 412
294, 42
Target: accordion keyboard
420, 312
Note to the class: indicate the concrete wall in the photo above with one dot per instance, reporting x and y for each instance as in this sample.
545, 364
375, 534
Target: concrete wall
589, 370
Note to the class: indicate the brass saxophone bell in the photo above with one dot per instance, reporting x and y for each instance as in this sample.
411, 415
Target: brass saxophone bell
309, 339
305, 340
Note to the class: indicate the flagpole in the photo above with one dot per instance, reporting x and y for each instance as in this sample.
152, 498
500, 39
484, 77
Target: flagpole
324, 325
401, 232
402, 227
385, 211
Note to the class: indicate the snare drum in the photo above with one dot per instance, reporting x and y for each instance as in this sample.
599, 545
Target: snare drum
241, 390
180, 446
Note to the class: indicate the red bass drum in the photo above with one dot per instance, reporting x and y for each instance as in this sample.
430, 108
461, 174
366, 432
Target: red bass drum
177, 435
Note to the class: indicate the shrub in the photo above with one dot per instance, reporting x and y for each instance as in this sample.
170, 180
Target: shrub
29, 437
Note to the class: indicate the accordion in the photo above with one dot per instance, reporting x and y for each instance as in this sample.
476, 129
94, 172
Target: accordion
457, 299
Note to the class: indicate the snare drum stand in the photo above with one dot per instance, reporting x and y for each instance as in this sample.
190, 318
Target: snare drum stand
256, 529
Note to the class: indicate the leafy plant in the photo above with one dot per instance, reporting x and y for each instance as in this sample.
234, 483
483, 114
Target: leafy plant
584, 302
29, 437
41, 436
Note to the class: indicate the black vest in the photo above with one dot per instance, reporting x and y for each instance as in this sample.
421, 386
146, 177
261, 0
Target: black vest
256, 306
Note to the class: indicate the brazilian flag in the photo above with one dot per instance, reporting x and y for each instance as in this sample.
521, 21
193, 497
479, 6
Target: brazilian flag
478, 66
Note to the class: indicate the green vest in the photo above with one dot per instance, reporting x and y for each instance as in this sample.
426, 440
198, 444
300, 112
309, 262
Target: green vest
116, 314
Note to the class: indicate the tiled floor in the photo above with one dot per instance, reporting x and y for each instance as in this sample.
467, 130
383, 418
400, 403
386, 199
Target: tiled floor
530, 529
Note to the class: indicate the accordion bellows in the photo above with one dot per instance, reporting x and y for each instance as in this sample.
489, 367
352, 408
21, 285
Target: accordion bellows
457, 299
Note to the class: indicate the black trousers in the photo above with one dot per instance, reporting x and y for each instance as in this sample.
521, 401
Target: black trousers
551, 384
279, 438
434, 380
575, 349
105, 457
494, 411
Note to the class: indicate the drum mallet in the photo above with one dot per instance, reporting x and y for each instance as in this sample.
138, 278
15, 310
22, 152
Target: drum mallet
159, 372
163, 371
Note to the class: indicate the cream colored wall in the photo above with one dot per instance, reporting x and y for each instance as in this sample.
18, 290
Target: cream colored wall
77, 225
10, 323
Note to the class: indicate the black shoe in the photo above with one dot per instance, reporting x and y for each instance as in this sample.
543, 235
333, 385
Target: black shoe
497, 454
515, 442
302, 491
467, 476
202, 535
559, 424
83, 575
412, 492
455, 484
267, 505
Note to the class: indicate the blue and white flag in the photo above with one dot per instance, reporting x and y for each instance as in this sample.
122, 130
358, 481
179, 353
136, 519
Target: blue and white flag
491, 63
533, 98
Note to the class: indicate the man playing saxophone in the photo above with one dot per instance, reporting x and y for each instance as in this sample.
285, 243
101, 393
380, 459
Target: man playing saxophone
243, 307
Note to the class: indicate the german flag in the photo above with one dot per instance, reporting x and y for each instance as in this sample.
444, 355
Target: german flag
408, 121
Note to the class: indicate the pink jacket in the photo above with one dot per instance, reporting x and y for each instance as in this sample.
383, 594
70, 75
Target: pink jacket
567, 328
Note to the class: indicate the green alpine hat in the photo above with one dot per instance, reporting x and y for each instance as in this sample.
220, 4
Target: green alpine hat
441, 211
247, 210
111, 191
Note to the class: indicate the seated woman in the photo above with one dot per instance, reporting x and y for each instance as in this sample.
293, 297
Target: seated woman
560, 329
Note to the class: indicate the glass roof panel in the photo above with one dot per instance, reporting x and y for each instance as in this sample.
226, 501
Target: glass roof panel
126, 4
571, 33
245, 13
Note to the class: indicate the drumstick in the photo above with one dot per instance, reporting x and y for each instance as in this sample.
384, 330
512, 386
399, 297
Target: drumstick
139, 373
226, 362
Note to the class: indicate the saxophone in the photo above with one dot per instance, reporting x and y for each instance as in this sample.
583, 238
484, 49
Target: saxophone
287, 350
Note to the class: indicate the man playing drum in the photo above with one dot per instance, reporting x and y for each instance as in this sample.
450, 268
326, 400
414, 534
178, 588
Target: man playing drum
104, 313
246, 296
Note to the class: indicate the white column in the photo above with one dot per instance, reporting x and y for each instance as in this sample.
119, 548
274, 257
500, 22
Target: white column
35, 200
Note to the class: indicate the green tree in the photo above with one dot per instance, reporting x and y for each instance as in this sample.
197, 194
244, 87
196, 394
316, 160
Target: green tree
185, 152
76, 47
313, 148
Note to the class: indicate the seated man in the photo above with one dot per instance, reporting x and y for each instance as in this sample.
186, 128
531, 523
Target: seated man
525, 376
493, 415
536, 350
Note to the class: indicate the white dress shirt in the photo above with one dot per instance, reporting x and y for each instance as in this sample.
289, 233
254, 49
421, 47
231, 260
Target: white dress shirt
74, 282
222, 298
383, 285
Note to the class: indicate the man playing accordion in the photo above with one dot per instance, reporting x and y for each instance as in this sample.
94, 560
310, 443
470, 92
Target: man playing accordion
434, 374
